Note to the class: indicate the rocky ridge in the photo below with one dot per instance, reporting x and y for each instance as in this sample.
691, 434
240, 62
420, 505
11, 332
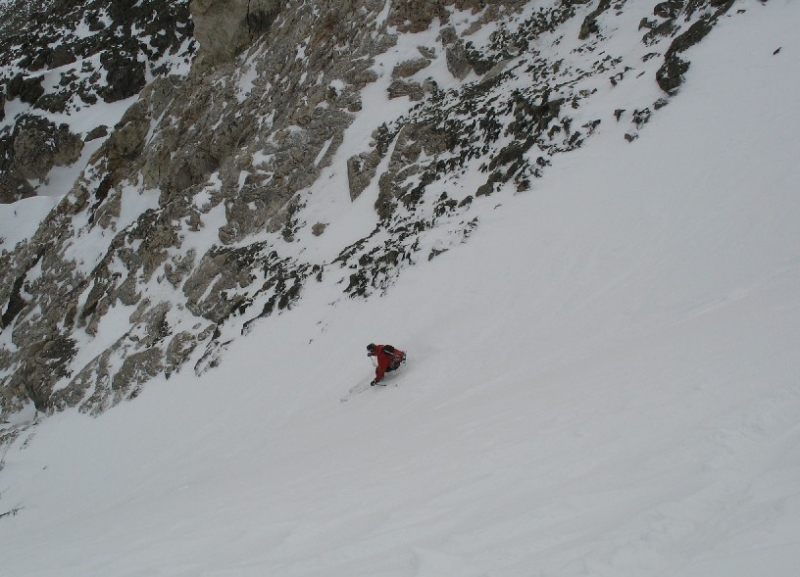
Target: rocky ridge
188, 223
59, 59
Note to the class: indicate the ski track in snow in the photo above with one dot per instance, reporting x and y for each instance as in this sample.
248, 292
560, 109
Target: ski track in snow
603, 382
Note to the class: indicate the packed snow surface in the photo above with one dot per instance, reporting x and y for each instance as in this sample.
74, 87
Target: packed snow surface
604, 381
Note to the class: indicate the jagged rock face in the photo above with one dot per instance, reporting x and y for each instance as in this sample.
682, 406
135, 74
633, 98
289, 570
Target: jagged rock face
39, 145
226, 27
188, 220
62, 57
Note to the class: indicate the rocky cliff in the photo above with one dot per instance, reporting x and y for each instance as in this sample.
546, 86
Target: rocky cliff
202, 210
59, 59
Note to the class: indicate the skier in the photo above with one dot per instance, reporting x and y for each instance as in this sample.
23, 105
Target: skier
389, 359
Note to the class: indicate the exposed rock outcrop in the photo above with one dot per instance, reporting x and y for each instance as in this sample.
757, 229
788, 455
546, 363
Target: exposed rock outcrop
226, 27
39, 146
64, 57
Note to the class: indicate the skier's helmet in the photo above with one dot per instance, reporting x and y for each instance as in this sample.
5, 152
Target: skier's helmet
371, 349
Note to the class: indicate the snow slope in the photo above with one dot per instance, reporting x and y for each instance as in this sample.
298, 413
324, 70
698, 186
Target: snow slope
602, 382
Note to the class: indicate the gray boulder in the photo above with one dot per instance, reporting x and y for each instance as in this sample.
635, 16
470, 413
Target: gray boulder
226, 27
39, 145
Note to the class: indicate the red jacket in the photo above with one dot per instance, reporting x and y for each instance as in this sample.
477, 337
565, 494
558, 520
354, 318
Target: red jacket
387, 360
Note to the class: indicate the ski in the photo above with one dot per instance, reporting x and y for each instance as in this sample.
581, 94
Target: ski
360, 388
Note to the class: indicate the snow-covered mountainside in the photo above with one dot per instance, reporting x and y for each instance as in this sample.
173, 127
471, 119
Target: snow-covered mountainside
578, 218
222, 193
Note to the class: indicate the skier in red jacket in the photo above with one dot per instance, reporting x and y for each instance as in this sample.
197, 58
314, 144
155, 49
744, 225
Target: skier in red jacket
389, 359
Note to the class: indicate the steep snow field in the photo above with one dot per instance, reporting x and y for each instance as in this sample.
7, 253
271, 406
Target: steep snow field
604, 381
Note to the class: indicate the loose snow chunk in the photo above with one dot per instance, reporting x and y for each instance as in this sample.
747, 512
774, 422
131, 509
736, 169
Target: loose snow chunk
301, 50
246, 84
323, 152
242, 178
337, 85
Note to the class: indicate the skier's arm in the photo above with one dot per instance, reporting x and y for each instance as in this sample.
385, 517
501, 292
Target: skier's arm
383, 364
